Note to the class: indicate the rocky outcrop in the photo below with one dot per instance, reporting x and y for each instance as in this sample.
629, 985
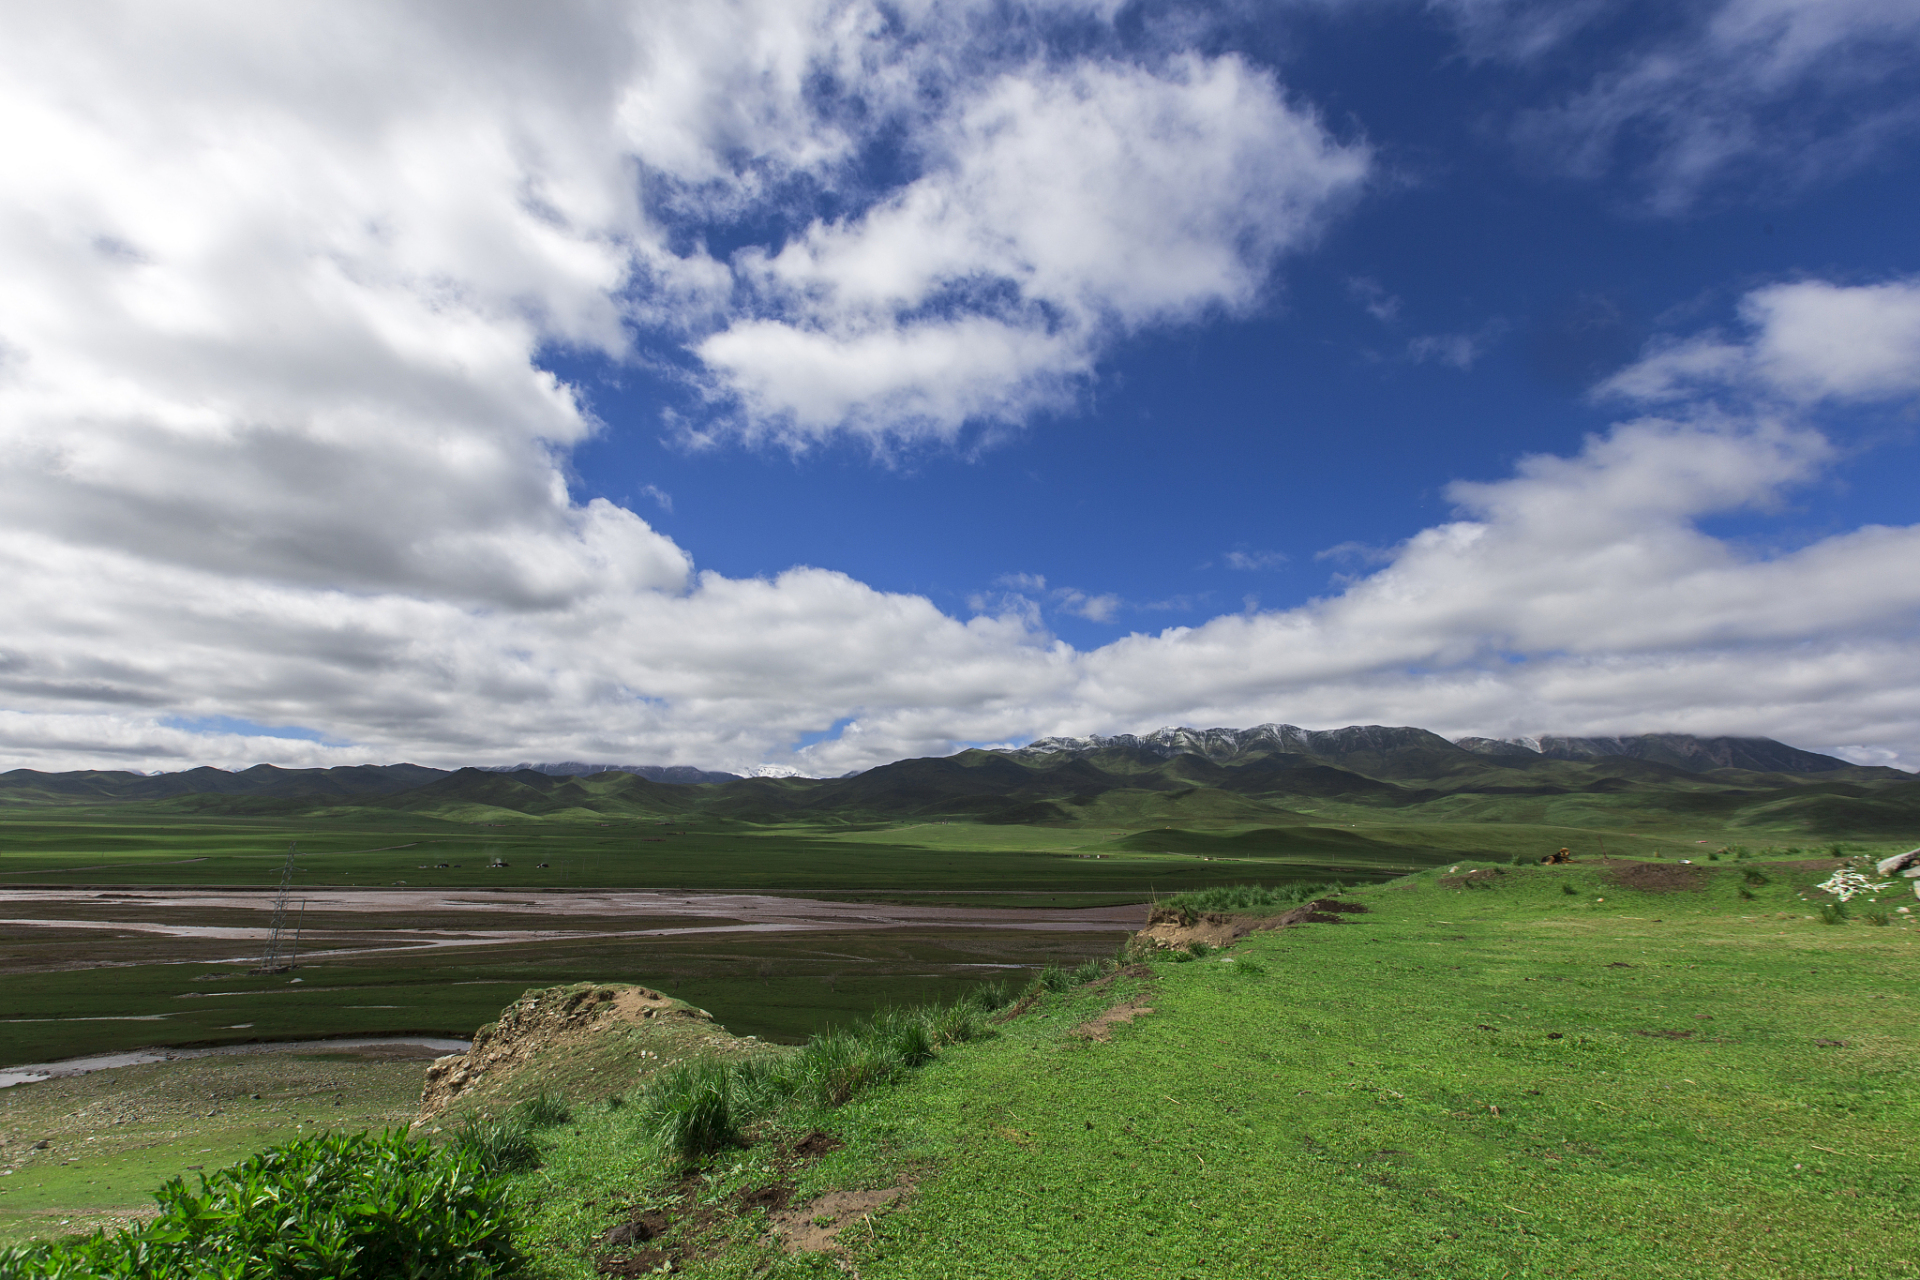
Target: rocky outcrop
584, 1040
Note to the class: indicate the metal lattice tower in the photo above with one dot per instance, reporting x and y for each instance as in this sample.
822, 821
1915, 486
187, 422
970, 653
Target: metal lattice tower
271, 962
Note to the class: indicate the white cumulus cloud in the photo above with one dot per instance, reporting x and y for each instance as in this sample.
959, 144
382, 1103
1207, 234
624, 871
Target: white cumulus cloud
276, 447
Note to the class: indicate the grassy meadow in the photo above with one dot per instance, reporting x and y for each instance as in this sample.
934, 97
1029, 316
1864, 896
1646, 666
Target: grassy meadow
1537, 1072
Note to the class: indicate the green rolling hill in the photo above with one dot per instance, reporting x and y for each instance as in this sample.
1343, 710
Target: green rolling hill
1216, 781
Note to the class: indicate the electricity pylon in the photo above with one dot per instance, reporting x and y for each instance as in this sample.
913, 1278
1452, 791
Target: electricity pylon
271, 962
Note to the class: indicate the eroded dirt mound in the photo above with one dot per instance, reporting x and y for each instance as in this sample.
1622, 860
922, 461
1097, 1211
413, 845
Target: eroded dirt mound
1655, 877
590, 1038
1171, 927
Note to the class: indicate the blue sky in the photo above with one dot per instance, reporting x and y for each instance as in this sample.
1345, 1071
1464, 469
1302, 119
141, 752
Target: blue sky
808, 385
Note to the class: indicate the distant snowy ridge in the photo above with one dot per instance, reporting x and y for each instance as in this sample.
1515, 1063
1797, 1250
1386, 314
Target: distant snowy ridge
1222, 746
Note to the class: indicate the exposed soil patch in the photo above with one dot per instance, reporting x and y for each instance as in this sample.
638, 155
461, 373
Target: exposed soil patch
815, 1144
1101, 1028
645, 1263
1169, 927
1655, 877
772, 1199
638, 1229
815, 1227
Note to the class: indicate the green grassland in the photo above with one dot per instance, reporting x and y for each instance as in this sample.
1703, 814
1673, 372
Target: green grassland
1491, 1077
1114, 822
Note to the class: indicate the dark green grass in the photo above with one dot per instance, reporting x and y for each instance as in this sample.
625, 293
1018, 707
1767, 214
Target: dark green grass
1464, 1083
131, 845
782, 987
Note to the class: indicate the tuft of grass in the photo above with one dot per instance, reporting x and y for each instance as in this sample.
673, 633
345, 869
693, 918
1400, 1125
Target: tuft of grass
1054, 978
1756, 877
1747, 893
1567, 888
499, 1145
689, 1110
988, 997
1877, 915
1834, 913
1198, 950
544, 1110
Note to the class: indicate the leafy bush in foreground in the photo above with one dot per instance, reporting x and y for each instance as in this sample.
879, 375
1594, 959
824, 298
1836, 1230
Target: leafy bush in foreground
340, 1206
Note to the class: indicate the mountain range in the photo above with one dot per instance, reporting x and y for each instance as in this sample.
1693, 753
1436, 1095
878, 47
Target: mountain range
1266, 776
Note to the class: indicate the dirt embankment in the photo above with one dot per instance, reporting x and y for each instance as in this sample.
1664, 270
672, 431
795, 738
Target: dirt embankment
1172, 927
584, 1040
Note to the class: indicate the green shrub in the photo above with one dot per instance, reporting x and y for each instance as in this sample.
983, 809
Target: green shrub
688, 1110
1090, 971
1054, 978
1251, 968
544, 1110
339, 1204
1198, 950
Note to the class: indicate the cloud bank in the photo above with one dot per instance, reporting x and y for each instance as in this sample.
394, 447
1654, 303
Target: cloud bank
278, 449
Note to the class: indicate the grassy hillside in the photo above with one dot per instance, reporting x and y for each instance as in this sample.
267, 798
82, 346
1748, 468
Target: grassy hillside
1487, 1076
